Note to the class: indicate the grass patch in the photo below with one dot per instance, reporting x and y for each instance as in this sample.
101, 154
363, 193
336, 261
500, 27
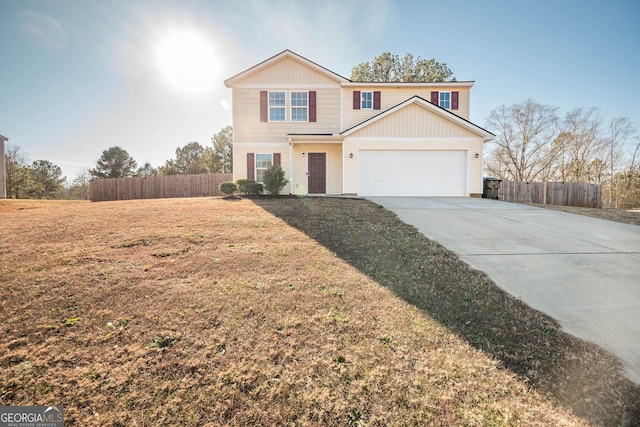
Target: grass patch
308, 319
619, 215
576, 374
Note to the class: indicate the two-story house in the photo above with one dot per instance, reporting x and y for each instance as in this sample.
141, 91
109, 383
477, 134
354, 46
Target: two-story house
334, 136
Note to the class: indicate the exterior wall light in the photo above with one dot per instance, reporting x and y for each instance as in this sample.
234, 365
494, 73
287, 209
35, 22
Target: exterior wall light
477, 155
351, 155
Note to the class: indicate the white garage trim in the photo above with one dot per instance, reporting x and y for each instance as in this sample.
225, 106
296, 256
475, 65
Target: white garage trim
423, 173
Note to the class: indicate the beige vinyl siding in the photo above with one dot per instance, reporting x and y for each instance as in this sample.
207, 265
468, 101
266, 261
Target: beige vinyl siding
334, 166
240, 159
413, 121
470, 145
290, 71
247, 126
392, 96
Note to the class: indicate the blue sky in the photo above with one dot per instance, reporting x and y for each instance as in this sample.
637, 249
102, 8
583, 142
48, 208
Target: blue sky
79, 76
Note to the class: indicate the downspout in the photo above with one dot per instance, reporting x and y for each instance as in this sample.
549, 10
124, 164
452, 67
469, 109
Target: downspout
290, 166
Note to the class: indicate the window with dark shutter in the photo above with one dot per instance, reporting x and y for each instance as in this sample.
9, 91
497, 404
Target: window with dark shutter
250, 167
312, 105
356, 99
376, 100
264, 108
434, 97
276, 159
454, 100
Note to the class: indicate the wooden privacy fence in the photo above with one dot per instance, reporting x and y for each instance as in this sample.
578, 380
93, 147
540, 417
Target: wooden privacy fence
157, 187
552, 193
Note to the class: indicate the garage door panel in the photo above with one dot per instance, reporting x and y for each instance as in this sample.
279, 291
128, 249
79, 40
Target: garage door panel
425, 173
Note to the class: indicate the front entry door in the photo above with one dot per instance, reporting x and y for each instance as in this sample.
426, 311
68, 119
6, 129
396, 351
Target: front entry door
317, 182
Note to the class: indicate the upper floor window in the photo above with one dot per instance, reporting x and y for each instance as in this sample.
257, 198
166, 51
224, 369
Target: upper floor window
369, 100
448, 100
273, 106
299, 106
277, 106
366, 100
445, 100
263, 162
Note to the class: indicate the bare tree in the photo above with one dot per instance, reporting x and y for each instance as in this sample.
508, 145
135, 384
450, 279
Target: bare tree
80, 186
620, 130
579, 144
523, 148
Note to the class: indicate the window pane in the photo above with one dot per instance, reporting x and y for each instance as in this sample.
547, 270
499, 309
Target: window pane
277, 106
299, 114
299, 103
367, 100
298, 99
263, 162
276, 99
445, 99
276, 114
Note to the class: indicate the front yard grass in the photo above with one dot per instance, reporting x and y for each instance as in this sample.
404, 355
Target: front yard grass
276, 311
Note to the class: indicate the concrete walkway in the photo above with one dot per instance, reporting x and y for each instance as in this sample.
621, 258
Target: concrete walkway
584, 272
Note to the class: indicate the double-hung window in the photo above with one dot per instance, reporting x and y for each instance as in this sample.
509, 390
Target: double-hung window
277, 106
263, 162
445, 100
366, 101
299, 106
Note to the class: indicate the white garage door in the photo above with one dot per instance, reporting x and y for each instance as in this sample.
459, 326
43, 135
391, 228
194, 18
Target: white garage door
412, 173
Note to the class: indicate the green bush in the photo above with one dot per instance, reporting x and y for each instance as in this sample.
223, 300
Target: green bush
255, 189
274, 180
243, 185
228, 188
249, 187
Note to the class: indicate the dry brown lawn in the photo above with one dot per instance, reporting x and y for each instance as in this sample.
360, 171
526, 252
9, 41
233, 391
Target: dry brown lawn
627, 216
275, 311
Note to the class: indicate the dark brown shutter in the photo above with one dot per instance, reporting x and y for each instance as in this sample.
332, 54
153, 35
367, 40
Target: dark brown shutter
312, 106
376, 100
454, 100
251, 170
276, 159
434, 98
264, 107
356, 99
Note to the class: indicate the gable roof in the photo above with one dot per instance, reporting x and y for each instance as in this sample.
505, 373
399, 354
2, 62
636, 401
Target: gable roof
279, 57
417, 100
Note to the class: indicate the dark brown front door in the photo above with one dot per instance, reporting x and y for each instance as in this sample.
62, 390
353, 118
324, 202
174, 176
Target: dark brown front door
317, 173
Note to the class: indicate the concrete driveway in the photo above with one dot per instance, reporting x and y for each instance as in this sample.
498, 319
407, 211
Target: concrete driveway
584, 272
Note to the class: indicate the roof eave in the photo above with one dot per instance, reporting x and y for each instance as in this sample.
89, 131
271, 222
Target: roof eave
300, 137
469, 83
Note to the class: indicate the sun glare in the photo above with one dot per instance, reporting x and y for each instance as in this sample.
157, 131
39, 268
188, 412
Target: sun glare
187, 61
